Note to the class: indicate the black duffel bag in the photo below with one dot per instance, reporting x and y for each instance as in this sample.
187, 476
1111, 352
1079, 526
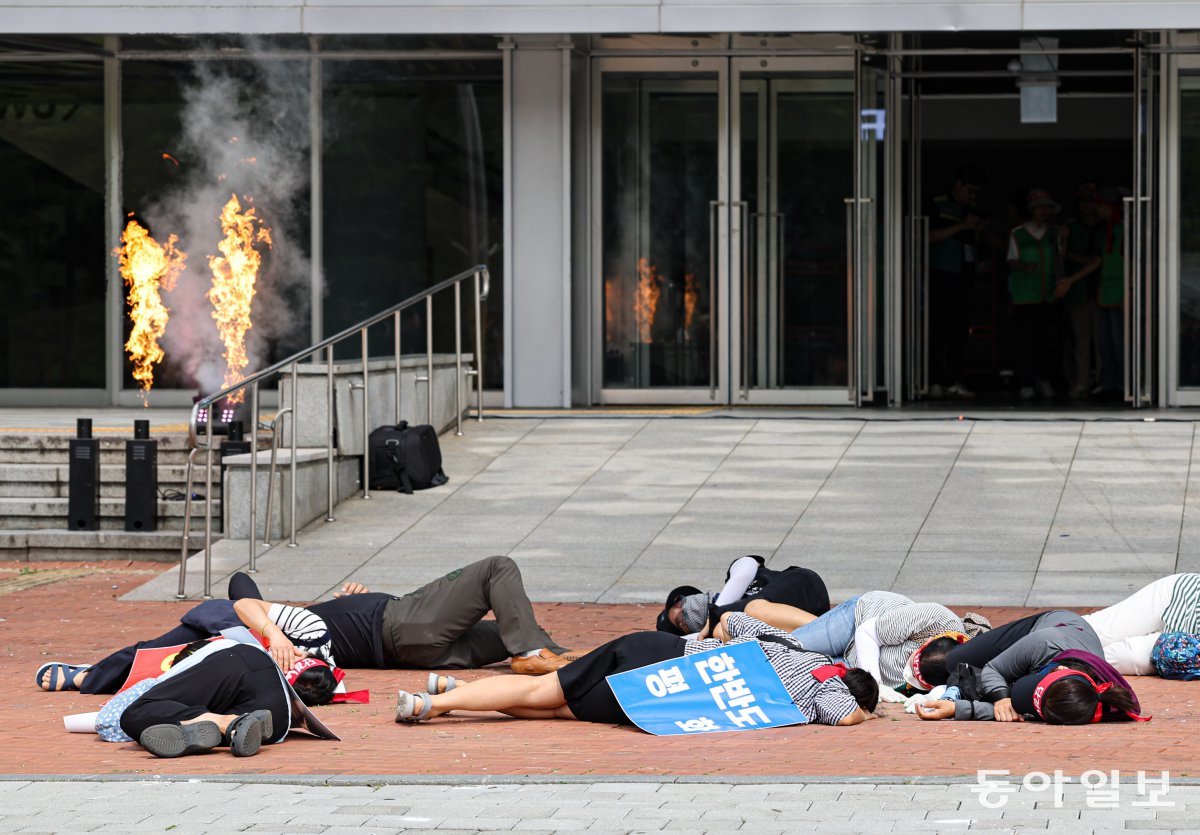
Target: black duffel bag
405, 458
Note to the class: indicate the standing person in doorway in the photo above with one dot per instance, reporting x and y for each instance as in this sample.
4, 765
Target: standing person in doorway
954, 225
1110, 297
1034, 249
1085, 237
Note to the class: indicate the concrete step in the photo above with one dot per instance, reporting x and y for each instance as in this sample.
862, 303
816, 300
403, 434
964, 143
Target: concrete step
53, 447
51, 480
45, 545
51, 514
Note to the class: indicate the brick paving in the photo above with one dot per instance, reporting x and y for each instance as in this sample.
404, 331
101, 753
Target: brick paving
80, 618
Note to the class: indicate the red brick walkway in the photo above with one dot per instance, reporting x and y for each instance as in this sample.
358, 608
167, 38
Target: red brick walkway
80, 619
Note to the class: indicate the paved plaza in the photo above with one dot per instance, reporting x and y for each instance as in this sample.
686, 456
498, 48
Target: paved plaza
1011, 512
765, 808
603, 514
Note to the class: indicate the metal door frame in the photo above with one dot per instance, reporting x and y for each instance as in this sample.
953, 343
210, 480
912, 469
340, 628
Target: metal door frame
1140, 221
717, 392
1173, 67
835, 68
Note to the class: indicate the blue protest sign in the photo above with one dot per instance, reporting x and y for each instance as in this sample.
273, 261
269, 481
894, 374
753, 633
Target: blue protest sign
730, 688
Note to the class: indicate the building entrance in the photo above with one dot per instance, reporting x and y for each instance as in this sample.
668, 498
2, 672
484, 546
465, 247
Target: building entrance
734, 217
980, 153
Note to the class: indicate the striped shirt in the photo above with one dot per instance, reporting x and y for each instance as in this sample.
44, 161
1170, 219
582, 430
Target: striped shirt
827, 702
306, 630
901, 626
1183, 612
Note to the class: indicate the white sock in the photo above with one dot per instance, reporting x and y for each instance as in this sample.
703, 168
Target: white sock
531, 653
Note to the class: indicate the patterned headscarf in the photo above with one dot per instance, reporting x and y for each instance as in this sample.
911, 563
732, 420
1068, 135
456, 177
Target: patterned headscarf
1177, 655
695, 612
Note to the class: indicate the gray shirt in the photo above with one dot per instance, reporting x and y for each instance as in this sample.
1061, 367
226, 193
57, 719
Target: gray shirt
1052, 633
901, 626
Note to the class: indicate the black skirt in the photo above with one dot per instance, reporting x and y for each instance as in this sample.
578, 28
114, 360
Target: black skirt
583, 681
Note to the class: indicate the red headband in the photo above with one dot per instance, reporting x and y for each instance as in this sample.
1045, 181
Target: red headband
914, 663
308, 664
1054, 676
828, 671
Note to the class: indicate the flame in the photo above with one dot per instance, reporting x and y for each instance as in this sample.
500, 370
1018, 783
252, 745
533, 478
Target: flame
691, 297
646, 303
234, 273
147, 267
167, 156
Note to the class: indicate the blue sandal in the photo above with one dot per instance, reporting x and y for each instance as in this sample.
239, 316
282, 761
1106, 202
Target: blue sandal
61, 673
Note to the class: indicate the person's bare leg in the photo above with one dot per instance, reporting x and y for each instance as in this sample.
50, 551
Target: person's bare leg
220, 720
563, 712
501, 693
779, 615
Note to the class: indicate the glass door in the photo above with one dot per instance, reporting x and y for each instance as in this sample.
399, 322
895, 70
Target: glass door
800, 233
660, 225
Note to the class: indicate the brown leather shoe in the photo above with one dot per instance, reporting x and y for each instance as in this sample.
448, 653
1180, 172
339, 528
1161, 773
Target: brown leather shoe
535, 665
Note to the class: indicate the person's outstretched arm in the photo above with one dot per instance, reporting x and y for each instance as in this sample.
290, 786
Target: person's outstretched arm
285, 626
741, 575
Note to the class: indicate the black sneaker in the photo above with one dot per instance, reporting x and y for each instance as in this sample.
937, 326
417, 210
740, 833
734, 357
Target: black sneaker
180, 740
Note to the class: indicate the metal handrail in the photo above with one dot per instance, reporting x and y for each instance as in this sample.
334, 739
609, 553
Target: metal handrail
481, 286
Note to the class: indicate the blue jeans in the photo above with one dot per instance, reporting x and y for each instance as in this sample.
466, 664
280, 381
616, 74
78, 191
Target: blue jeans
832, 632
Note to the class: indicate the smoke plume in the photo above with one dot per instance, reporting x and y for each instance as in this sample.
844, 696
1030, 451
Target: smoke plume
244, 131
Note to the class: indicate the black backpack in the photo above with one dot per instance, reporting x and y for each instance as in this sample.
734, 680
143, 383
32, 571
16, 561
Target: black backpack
405, 458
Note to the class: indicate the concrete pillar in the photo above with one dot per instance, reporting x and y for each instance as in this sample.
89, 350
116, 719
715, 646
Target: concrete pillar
538, 274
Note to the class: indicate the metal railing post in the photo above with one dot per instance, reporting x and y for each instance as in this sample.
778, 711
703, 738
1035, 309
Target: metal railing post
429, 360
292, 429
366, 422
458, 401
478, 353
253, 568
276, 425
329, 429
396, 351
208, 474
187, 524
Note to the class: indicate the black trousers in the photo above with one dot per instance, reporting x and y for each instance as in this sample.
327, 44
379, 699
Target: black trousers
202, 621
950, 317
231, 681
1035, 343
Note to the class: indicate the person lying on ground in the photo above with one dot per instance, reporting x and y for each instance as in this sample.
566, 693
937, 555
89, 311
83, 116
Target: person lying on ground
581, 690
218, 693
438, 626
785, 598
880, 631
292, 633
1129, 629
1045, 666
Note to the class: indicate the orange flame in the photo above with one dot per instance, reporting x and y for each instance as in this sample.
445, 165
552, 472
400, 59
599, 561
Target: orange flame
234, 273
147, 267
167, 156
646, 304
691, 297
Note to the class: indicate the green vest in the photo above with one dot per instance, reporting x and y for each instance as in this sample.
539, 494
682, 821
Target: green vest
1035, 286
948, 256
1112, 271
